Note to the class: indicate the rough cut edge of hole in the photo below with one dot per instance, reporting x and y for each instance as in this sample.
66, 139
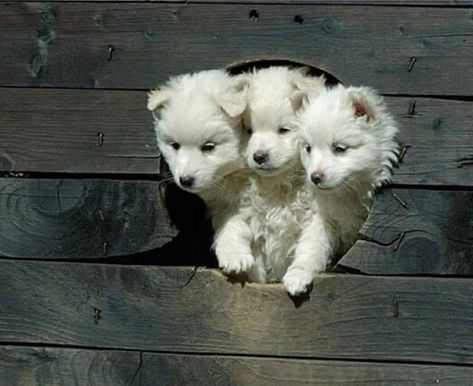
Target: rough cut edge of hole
179, 203
250, 64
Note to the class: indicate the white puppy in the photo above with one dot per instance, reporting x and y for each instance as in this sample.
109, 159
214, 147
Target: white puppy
349, 151
199, 132
274, 208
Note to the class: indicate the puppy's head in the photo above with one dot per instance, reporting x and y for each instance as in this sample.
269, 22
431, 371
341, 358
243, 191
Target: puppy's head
198, 127
274, 95
349, 138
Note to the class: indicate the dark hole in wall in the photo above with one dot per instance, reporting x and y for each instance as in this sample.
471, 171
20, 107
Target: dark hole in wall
246, 66
193, 244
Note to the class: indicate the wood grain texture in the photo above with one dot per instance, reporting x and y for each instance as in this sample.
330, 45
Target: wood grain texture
57, 131
416, 232
438, 140
217, 370
409, 231
450, 3
67, 44
405, 3
39, 366
35, 366
78, 131
180, 310
81, 219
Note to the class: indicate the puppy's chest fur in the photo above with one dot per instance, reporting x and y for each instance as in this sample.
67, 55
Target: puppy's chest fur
224, 198
343, 216
276, 211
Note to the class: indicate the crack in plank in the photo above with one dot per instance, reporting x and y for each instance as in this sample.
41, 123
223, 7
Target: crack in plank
138, 369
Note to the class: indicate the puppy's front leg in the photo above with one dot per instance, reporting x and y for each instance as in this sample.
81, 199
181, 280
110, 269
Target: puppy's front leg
313, 250
232, 245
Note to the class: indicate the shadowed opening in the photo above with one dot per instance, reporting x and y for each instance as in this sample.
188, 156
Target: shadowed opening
249, 65
187, 211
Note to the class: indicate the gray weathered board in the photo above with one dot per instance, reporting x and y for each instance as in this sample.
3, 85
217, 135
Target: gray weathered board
399, 50
37, 366
409, 231
416, 232
81, 218
450, 3
180, 310
60, 131
81, 131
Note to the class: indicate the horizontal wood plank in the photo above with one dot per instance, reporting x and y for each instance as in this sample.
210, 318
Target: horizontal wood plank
39, 366
81, 219
438, 141
412, 50
59, 131
180, 310
79, 131
217, 370
416, 232
63, 366
406, 3
409, 231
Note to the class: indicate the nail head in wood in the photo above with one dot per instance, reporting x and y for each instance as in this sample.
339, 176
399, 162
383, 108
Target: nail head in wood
399, 241
398, 199
97, 315
110, 50
99, 139
411, 64
254, 15
395, 309
403, 153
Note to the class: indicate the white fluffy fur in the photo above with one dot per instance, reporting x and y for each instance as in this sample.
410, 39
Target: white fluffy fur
275, 207
193, 111
276, 224
350, 144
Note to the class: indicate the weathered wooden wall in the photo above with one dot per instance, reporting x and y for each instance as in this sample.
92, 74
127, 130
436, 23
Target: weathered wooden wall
400, 50
83, 224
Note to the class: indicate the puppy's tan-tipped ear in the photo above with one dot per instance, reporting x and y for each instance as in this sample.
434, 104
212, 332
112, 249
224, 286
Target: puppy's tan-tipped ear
241, 82
157, 100
364, 101
234, 102
302, 85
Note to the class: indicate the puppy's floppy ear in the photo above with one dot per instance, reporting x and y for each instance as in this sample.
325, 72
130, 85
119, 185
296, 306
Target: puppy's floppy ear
234, 102
364, 101
302, 85
157, 100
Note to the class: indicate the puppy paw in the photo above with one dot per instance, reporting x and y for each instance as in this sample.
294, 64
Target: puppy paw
237, 264
297, 281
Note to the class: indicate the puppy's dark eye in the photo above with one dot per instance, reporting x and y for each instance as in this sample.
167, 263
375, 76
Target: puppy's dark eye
208, 147
283, 130
308, 148
338, 149
175, 145
249, 131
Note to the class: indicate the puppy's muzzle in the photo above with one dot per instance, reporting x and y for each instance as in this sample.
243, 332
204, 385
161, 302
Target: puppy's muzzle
317, 177
187, 181
260, 157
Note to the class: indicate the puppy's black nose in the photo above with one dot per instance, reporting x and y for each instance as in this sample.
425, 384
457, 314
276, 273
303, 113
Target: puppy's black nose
186, 181
260, 157
317, 177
